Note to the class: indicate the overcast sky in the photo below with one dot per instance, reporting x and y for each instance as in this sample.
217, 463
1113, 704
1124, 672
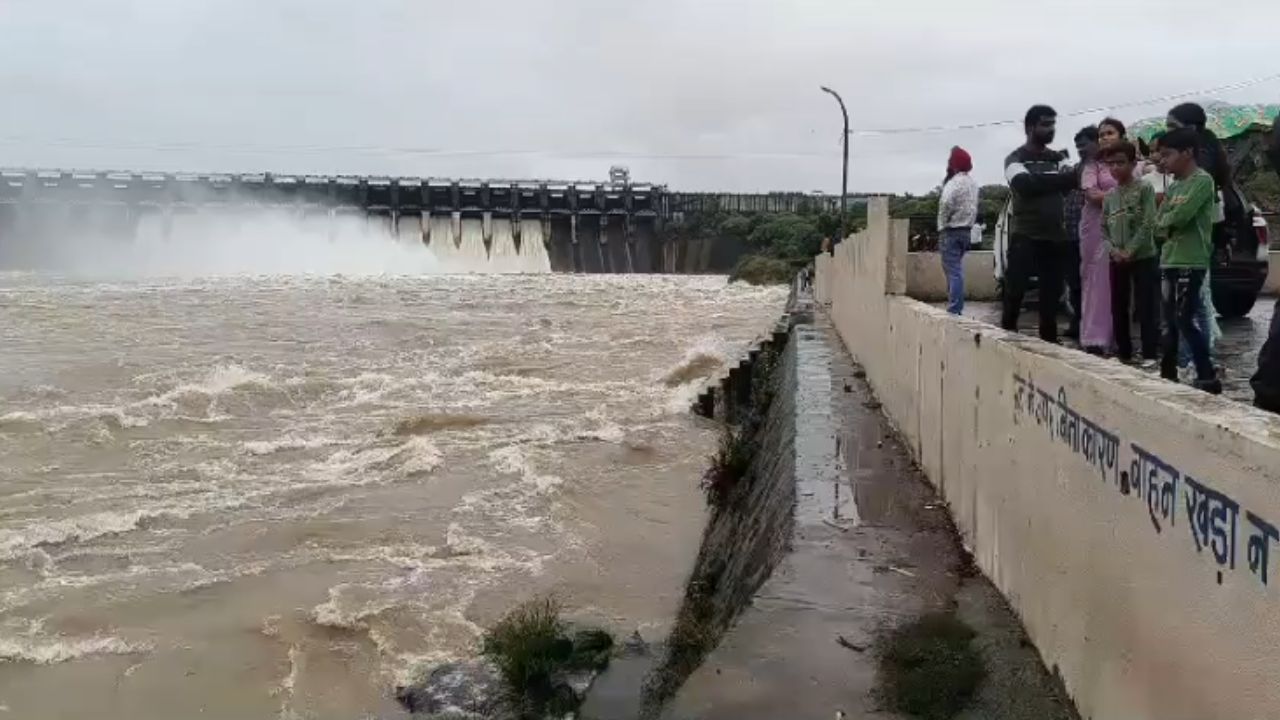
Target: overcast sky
698, 94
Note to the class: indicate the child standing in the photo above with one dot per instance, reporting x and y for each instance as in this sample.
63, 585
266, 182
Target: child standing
1130, 213
1187, 217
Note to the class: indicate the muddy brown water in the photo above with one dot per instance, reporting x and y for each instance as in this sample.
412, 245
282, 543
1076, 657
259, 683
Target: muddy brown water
280, 496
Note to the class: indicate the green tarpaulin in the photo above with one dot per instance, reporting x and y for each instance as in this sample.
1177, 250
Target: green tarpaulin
1225, 120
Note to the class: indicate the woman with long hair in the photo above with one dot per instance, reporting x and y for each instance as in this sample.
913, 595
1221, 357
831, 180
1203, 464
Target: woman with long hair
1096, 332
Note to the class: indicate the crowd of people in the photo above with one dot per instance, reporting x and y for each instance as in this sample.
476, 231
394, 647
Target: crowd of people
1127, 232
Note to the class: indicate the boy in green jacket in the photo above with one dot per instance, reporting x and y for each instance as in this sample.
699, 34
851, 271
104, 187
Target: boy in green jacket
1130, 216
1187, 218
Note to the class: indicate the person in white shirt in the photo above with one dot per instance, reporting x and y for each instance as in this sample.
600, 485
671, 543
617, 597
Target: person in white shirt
1155, 175
957, 213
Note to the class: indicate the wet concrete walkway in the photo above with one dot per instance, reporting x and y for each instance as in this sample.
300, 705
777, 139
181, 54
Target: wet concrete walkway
873, 548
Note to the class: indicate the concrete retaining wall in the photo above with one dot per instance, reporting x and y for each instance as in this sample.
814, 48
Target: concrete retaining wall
1272, 285
1128, 521
925, 280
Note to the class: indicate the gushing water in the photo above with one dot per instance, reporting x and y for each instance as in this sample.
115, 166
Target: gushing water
238, 240
409, 230
533, 248
467, 253
471, 247
503, 256
279, 496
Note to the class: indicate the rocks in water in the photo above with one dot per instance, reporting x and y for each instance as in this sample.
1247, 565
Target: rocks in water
477, 690
471, 689
591, 650
635, 646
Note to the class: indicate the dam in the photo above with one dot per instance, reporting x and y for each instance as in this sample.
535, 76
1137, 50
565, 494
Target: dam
479, 225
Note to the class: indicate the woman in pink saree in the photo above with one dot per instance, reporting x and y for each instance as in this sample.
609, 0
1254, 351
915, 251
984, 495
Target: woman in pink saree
1096, 332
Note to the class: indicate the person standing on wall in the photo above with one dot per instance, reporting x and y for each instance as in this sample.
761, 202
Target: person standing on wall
1071, 209
1096, 334
957, 212
1187, 216
1211, 156
1039, 179
1128, 231
1266, 381
1156, 177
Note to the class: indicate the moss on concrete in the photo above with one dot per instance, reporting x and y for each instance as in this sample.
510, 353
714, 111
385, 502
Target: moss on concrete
729, 466
929, 668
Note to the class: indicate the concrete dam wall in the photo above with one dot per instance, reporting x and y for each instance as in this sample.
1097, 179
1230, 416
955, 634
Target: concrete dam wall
1128, 521
36, 236
478, 226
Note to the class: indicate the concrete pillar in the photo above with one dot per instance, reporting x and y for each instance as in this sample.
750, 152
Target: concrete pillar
558, 235
725, 410
742, 386
706, 405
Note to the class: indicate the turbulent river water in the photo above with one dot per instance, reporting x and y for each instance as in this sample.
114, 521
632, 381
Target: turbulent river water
278, 496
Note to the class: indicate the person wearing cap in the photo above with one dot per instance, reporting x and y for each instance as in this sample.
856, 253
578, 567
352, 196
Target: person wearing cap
957, 212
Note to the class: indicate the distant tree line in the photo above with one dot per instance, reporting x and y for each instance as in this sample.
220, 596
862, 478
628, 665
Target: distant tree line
772, 246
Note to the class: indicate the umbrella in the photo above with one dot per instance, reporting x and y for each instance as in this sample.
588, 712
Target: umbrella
1225, 120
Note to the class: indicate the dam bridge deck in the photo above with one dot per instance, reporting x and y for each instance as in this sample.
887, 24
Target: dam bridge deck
588, 227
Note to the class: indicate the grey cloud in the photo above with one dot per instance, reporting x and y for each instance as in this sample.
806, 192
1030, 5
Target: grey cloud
699, 95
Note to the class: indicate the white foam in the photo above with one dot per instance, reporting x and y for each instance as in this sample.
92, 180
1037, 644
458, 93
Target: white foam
420, 455
270, 447
343, 610
49, 651
289, 682
704, 356
513, 459
74, 529
600, 427
221, 380
19, 417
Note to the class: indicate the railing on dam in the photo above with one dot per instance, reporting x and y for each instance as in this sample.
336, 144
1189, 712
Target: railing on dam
391, 195
394, 194
675, 203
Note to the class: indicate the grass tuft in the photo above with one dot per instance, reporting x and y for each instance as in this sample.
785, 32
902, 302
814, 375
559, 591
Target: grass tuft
533, 651
929, 668
729, 465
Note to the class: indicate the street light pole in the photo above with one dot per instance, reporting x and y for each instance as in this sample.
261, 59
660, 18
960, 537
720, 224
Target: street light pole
844, 176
